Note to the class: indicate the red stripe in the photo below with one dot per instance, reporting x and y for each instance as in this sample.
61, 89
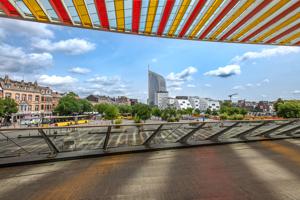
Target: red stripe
274, 20
192, 17
9, 9
298, 43
102, 13
61, 11
219, 18
136, 15
296, 27
247, 17
165, 16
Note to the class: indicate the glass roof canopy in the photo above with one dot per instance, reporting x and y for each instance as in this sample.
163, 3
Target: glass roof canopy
241, 21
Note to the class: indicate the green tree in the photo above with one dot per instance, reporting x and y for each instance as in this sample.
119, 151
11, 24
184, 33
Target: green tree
197, 111
100, 108
171, 115
85, 106
68, 105
111, 112
143, 111
289, 109
208, 111
156, 112
125, 109
8, 106
189, 111
277, 103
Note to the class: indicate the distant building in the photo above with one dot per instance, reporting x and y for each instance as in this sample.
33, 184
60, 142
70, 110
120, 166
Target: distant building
156, 83
161, 99
32, 99
183, 103
213, 105
121, 100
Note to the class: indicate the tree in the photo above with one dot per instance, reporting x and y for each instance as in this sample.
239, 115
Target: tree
277, 103
68, 105
156, 112
170, 115
143, 111
189, 111
289, 109
197, 111
85, 106
125, 109
111, 112
8, 106
208, 111
100, 108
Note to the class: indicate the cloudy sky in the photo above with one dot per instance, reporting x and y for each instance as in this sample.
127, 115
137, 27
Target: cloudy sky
95, 62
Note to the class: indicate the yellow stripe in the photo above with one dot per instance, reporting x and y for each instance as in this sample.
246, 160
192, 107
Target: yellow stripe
278, 27
291, 38
152, 7
206, 17
287, 152
82, 13
183, 7
233, 17
260, 19
36, 10
119, 7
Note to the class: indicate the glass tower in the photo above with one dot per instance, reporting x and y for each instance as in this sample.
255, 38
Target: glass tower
156, 83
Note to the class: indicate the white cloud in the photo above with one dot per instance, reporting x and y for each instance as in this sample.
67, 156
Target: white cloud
15, 59
154, 60
184, 75
258, 84
238, 87
228, 70
191, 85
71, 46
79, 70
25, 28
296, 92
55, 80
207, 85
249, 85
266, 81
271, 52
105, 80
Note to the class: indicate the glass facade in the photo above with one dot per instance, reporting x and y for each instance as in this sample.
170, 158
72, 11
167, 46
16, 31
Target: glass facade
156, 83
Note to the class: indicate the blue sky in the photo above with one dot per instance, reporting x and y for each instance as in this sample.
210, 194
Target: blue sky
95, 62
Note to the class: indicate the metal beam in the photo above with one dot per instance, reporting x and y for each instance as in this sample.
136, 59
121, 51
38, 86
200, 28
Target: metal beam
150, 138
269, 132
244, 134
14, 142
185, 138
107, 138
50, 144
215, 137
289, 131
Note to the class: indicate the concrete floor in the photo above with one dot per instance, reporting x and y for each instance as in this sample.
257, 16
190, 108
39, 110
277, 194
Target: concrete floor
261, 170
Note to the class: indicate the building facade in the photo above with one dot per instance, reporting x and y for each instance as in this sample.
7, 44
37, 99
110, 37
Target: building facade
156, 83
161, 99
30, 97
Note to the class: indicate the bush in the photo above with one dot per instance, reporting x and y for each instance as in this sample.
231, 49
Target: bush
137, 119
118, 121
223, 116
236, 117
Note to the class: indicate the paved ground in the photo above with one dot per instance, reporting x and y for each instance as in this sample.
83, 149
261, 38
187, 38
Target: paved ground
261, 170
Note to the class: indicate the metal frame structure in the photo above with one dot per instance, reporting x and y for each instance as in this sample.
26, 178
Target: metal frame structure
188, 136
253, 21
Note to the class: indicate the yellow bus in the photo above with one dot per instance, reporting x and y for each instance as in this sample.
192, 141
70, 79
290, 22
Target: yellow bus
65, 120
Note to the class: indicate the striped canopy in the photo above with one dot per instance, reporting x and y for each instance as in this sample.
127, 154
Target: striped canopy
241, 21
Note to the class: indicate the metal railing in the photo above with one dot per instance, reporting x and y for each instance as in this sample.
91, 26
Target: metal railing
53, 143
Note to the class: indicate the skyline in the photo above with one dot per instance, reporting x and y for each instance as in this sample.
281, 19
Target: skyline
116, 64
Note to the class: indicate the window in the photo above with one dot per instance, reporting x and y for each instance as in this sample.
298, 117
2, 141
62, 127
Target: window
36, 108
29, 108
8, 95
29, 97
42, 107
17, 96
23, 97
37, 98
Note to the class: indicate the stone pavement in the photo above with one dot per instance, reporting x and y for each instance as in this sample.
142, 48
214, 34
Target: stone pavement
260, 170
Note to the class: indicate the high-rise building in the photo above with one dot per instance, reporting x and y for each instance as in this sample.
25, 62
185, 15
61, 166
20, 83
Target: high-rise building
156, 84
